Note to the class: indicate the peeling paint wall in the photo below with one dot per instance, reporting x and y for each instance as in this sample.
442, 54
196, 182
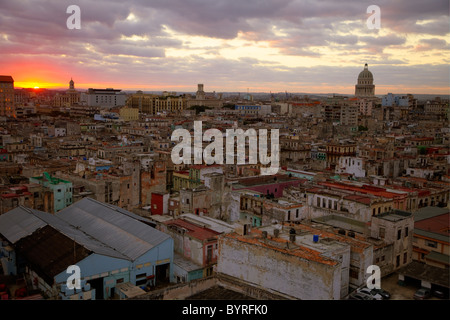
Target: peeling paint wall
275, 270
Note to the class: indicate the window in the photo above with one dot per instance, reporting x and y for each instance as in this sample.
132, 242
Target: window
399, 234
354, 274
405, 258
296, 213
382, 233
432, 244
406, 232
318, 201
397, 262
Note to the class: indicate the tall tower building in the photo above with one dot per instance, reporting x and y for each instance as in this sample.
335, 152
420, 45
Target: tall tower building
365, 86
200, 93
71, 85
6, 96
73, 95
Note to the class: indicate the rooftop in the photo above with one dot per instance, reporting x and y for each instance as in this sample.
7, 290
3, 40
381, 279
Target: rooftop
342, 222
193, 230
394, 215
436, 227
6, 79
300, 249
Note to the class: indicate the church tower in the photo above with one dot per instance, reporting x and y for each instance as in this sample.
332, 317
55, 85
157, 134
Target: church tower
71, 85
365, 86
200, 93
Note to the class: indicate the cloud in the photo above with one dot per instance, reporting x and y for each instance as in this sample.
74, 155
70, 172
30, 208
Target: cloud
432, 44
229, 43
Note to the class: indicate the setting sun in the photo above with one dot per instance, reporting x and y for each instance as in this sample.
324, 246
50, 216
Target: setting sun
37, 84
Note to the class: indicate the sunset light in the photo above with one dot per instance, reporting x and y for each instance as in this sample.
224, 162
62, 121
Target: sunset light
196, 150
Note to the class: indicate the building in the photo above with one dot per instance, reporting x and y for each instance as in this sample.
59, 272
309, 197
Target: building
129, 114
197, 246
111, 247
160, 203
437, 109
69, 98
272, 186
431, 253
153, 104
391, 100
395, 228
203, 99
31, 195
431, 237
60, 192
351, 165
195, 176
365, 86
103, 98
255, 110
336, 150
280, 260
7, 96
195, 200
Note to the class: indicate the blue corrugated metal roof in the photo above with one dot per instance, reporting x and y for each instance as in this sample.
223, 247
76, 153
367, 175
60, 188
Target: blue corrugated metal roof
118, 229
21, 222
101, 228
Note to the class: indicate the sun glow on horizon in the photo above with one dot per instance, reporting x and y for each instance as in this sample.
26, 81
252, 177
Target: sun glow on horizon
38, 84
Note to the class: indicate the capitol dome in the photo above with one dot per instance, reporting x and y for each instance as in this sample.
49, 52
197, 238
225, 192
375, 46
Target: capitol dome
365, 74
365, 86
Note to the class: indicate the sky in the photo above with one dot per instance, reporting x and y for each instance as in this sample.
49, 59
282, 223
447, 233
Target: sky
307, 46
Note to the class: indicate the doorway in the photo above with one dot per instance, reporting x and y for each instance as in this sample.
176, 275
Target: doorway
97, 284
162, 274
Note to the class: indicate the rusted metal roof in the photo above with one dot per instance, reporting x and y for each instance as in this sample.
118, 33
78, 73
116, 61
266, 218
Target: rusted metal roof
49, 252
193, 230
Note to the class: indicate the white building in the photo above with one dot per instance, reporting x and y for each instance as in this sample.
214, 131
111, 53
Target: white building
300, 266
351, 165
104, 98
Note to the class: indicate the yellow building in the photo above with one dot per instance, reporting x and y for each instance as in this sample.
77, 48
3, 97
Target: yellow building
6, 96
67, 99
129, 114
152, 104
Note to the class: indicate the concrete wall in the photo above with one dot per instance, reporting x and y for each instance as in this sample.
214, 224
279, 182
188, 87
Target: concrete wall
278, 271
183, 291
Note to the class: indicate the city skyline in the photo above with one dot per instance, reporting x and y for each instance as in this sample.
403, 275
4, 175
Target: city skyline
231, 46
